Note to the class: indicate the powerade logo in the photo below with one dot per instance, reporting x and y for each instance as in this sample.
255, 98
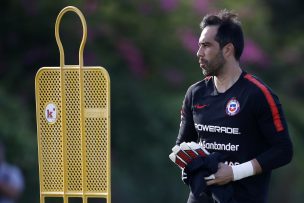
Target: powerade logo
219, 129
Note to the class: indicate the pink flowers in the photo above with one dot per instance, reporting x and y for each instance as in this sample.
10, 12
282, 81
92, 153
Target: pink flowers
91, 6
168, 5
131, 54
173, 76
201, 6
188, 39
253, 54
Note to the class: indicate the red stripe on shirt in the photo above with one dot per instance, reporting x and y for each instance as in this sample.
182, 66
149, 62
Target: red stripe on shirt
274, 109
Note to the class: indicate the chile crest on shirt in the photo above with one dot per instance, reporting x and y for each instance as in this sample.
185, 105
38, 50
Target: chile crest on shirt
232, 107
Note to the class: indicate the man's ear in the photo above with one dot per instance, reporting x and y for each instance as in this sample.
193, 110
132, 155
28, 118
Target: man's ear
228, 50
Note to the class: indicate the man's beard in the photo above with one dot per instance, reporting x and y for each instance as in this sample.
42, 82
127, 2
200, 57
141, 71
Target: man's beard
214, 66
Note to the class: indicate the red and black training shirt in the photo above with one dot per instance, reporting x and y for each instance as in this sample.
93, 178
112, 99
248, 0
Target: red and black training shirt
243, 123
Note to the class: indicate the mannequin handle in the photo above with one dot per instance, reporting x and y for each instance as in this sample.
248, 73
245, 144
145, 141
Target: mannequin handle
84, 34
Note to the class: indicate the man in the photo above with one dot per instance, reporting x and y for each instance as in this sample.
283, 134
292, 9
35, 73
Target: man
234, 113
11, 180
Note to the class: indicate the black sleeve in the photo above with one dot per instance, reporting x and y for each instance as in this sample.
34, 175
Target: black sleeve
272, 124
187, 131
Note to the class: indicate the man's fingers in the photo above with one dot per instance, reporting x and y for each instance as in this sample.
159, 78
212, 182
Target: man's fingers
185, 147
177, 160
181, 154
211, 177
211, 182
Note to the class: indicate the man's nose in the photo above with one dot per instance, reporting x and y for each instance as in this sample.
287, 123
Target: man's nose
200, 52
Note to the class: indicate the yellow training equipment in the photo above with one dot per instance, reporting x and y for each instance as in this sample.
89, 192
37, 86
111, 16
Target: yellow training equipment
73, 124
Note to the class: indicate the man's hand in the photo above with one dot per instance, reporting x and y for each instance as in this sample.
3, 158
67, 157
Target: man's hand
223, 175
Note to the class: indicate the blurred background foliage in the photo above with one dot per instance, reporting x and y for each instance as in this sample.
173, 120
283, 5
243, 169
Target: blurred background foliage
149, 48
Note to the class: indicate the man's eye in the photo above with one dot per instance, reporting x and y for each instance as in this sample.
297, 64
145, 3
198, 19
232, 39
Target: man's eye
204, 45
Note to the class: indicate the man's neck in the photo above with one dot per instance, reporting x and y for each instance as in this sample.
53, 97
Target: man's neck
227, 77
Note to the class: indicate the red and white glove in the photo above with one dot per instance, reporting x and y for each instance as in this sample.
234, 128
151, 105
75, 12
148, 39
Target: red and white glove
183, 154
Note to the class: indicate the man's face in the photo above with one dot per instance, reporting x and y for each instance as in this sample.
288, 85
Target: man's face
210, 55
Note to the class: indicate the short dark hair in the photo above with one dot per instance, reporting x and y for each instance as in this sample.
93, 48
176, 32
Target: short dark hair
229, 31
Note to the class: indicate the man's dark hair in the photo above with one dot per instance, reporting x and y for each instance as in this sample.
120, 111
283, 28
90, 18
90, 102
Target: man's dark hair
229, 31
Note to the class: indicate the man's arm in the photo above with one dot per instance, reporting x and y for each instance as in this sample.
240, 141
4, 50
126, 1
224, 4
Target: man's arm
273, 126
187, 131
226, 174
256, 166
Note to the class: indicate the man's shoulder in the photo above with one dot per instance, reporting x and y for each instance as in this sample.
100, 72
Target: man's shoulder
256, 86
259, 92
202, 84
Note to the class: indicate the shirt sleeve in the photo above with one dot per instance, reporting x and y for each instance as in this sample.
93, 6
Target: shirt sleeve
187, 132
272, 124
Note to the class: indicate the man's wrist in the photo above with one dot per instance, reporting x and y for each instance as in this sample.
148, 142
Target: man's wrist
242, 170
